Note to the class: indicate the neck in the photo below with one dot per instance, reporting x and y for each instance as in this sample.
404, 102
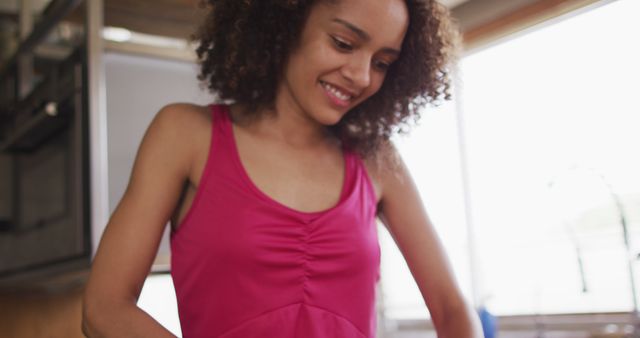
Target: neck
283, 124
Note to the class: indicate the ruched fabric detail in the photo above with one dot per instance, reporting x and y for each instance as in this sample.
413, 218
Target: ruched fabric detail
296, 320
244, 265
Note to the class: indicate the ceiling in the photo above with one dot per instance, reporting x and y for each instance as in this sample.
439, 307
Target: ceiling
172, 18
178, 18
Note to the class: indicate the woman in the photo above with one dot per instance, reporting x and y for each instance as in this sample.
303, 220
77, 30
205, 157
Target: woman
273, 198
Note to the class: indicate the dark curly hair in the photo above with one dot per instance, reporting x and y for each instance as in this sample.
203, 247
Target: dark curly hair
243, 45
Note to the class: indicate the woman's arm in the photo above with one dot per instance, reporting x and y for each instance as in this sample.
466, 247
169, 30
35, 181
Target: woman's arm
132, 236
403, 214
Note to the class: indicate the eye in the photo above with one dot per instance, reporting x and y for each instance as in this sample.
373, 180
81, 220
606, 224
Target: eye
341, 44
382, 66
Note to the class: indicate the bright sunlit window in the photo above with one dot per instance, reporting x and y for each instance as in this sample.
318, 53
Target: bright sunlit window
552, 120
432, 153
158, 299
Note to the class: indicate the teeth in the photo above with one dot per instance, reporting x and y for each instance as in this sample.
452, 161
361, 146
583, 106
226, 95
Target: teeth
336, 92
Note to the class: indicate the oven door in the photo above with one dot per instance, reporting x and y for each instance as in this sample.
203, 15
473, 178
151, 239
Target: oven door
44, 219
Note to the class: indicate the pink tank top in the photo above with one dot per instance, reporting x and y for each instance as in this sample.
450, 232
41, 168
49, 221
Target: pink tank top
245, 265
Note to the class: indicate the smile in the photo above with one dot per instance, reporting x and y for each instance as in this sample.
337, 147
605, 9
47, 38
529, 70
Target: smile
336, 93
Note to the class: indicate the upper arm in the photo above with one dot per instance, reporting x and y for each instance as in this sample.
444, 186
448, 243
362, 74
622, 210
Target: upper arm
131, 238
404, 215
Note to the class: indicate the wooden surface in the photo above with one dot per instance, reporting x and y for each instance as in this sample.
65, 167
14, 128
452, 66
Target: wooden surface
171, 18
174, 18
42, 313
521, 18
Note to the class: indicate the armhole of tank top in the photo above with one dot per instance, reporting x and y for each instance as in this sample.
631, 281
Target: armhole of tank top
368, 182
213, 111
348, 179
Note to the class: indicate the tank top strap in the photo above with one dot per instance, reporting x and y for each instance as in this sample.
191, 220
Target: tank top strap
219, 142
357, 172
350, 169
221, 131
219, 116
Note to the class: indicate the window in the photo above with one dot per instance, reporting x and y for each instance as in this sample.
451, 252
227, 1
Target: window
551, 122
158, 299
432, 154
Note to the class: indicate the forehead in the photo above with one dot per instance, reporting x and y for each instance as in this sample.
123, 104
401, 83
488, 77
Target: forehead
385, 21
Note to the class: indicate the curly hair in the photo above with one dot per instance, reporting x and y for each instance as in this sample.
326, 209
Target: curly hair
243, 45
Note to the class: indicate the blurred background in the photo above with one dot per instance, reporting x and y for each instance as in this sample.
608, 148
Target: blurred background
531, 174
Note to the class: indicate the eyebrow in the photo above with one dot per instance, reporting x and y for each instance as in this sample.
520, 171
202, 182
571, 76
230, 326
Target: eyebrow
363, 35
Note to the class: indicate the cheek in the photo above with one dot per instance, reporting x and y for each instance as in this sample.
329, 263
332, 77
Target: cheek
306, 68
297, 72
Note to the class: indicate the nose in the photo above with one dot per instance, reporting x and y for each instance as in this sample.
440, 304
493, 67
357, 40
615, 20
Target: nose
358, 71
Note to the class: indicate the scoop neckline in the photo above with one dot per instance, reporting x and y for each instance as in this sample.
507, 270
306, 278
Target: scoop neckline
344, 195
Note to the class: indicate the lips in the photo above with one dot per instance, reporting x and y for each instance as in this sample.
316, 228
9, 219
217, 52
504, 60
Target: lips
337, 95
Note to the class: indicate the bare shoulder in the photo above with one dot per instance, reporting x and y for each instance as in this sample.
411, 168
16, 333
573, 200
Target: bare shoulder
184, 117
383, 167
183, 123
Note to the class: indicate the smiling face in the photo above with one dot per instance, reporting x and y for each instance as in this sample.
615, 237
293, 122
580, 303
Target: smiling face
342, 57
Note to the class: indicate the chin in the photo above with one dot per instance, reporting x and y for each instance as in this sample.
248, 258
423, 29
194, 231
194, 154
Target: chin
330, 117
